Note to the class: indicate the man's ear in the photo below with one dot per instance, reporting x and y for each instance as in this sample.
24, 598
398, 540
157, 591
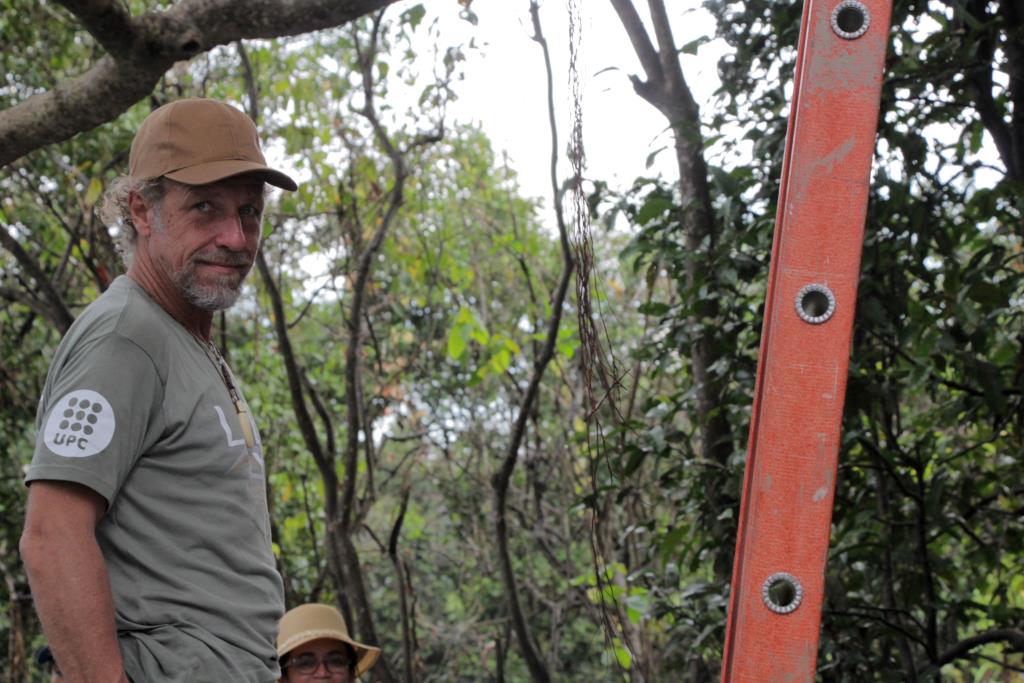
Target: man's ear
142, 215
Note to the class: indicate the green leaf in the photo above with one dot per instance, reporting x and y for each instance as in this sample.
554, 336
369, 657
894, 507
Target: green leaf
479, 335
690, 48
414, 15
93, 192
653, 308
622, 656
636, 606
696, 588
456, 342
652, 156
988, 295
567, 343
465, 316
636, 458
288, 205
500, 361
414, 524
672, 541
653, 208
992, 386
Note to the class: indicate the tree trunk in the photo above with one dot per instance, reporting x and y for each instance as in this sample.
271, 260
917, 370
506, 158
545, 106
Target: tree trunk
665, 89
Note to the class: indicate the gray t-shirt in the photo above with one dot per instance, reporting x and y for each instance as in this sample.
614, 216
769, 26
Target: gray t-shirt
135, 409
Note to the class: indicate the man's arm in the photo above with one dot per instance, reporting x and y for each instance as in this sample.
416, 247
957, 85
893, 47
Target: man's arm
69, 580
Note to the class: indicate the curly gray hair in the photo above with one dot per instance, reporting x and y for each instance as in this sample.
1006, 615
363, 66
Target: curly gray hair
115, 212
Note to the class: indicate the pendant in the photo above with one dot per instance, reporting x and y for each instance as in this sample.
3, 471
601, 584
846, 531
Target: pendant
243, 417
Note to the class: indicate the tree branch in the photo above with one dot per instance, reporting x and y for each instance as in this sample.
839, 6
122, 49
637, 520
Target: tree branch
670, 65
155, 41
109, 23
361, 282
1013, 16
357, 423
1011, 636
980, 84
324, 459
56, 311
501, 479
400, 575
697, 217
645, 51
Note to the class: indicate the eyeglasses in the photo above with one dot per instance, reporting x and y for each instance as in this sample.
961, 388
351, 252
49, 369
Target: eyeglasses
307, 663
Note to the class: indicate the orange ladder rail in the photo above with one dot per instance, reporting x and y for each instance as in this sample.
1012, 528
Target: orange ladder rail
789, 484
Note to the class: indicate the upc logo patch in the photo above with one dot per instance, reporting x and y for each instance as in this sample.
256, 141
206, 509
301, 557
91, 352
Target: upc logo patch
80, 425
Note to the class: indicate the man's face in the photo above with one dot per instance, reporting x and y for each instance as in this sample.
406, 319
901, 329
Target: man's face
205, 239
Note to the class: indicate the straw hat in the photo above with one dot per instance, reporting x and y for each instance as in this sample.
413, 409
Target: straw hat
306, 623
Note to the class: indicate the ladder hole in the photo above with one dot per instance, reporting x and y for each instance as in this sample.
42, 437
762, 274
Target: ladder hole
815, 304
782, 593
850, 19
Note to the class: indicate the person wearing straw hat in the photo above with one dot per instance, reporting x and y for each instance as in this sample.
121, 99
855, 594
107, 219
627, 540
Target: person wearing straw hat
147, 537
313, 645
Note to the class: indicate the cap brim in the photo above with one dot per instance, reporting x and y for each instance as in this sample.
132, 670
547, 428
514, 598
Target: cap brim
203, 174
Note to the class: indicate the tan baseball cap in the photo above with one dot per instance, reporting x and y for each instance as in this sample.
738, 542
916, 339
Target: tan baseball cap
198, 141
306, 623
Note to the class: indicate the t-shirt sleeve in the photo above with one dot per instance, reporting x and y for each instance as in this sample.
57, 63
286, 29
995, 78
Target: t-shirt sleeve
101, 410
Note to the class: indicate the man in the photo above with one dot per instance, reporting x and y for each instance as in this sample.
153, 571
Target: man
146, 538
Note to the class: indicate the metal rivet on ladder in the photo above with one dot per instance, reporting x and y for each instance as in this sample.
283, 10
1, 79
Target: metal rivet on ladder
782, 593
815, 304
850, 19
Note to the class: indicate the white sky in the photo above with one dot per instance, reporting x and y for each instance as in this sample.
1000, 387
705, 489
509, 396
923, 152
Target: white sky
505, 90
505, 85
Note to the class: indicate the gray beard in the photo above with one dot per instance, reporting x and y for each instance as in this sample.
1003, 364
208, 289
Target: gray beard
216, 297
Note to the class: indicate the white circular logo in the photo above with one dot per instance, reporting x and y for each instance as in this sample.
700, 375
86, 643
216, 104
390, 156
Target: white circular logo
80, 425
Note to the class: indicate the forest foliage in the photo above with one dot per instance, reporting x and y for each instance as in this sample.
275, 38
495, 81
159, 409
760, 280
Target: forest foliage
503, 465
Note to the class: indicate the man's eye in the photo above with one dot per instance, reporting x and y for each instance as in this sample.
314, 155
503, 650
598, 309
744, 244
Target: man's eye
201, 206
249, 210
